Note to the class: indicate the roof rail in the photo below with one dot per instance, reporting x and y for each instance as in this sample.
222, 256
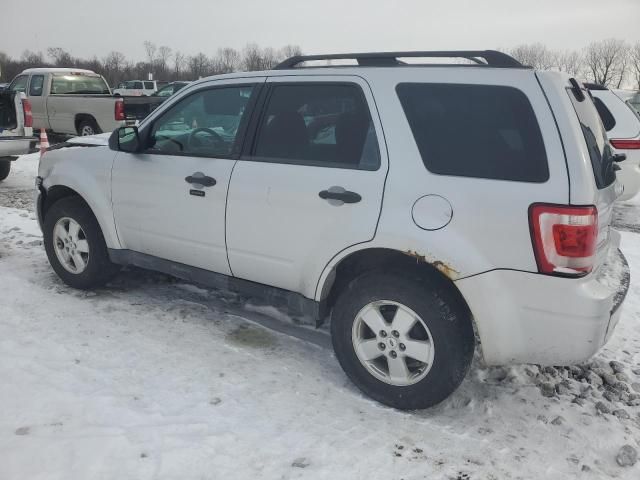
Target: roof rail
492, 58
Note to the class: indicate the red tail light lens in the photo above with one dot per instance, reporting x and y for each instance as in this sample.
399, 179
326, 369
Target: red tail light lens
564, 238
119, 110
28, 114
626, 144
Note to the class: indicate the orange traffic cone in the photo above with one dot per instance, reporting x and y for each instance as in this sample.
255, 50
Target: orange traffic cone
44, 142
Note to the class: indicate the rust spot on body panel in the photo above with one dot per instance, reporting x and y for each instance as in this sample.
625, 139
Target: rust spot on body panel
443, 267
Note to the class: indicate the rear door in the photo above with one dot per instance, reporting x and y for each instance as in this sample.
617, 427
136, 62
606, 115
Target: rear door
309, 185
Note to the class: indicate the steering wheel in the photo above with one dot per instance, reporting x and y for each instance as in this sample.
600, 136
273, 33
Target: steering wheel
215, 139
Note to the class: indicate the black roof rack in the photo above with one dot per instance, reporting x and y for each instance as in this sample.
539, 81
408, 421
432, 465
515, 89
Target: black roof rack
492, 58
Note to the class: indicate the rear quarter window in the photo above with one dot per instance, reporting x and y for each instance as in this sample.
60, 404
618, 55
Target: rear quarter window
481, 131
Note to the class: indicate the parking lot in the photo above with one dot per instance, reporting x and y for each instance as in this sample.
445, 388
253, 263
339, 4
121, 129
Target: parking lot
152, 377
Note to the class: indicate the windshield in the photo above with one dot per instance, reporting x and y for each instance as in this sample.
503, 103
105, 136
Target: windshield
76, 84
596, 138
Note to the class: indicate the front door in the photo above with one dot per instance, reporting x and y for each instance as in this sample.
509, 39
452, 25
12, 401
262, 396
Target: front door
310, 186
169, 201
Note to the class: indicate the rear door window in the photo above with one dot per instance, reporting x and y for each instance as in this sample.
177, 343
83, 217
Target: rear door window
480, 131
35, 86
326, 125
596, 138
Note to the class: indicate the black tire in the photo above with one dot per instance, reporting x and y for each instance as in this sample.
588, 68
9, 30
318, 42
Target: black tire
99, 269
86, 124
448, 321
5, 168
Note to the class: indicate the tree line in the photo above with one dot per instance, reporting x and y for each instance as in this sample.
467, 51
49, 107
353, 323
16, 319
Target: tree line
611, 62
161, 61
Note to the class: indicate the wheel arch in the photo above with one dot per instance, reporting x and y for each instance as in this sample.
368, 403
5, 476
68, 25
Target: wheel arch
57, 192
81, 117
383, 259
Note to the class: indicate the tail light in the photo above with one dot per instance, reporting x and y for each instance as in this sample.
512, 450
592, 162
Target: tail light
28, 114
119, 110
626, 144
564, 238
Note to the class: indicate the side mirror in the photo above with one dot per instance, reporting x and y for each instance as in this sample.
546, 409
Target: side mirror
125, 139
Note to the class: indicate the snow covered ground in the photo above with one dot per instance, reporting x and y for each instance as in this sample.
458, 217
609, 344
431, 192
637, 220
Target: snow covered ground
153, 378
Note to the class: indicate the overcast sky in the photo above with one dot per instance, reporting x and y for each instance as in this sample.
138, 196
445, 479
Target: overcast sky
87, 27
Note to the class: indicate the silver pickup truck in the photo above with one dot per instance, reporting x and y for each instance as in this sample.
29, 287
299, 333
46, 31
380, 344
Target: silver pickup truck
70, 101
16, 134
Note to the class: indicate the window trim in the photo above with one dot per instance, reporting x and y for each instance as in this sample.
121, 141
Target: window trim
248, 150
41, 88
475, 177
241, 134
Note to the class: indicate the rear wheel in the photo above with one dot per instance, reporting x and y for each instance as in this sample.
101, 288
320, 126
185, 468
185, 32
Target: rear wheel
5, 168
88, 127
406, 343
75, 246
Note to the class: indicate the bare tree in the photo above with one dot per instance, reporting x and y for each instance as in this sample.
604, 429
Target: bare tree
634, 60
228, 60
32, 59
113, 67
251, 57
162, 60
150, 48
270, 58
570, 62
60, 57
535, 55
198, 65
606, 61
179, 61
290, 51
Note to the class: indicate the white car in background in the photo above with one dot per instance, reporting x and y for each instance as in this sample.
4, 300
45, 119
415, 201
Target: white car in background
622, 124
137, 88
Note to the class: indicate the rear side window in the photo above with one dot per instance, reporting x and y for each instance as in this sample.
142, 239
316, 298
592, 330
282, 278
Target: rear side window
326, 125
35, 86
480, 131
596, 139
605, 114
148, 85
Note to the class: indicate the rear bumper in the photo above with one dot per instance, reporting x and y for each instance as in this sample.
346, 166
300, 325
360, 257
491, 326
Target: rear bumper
531, 318
13, 146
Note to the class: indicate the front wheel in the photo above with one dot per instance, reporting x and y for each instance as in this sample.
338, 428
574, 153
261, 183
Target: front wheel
5, 168
406, 343
75, 246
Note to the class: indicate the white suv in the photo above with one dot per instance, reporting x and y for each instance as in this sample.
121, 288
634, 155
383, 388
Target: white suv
405, 203
622, 124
